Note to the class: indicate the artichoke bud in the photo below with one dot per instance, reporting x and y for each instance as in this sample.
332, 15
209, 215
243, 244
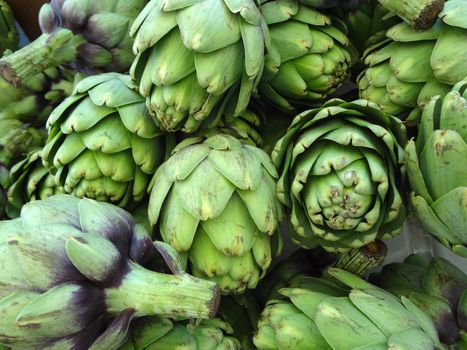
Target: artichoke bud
48, 21
63, 310
106, 259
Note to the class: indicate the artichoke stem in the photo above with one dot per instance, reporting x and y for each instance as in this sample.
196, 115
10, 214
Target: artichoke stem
360, 261
420, 14
47, 51
151, 293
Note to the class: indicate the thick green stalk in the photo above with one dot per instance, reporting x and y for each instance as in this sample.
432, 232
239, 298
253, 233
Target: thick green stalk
47, 51
360, 261
420, 14
152, 293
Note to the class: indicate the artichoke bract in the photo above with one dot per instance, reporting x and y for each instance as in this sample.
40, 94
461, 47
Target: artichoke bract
70, 277
90, 36
197, 58
161, 333
33, 102
437, 287
437, 169
30, 181
214, 200
404, 72
341, 175
323, 314
308, 59
8, 34
103, 144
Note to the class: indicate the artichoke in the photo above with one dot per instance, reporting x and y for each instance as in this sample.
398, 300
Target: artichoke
103, 144
309, 58
201, 58
70, 277
8, 34
341, 175
437, 287
214, 201
160, 333
324, 315
437, 169
91, 36
30, 181
33, 102
407, 70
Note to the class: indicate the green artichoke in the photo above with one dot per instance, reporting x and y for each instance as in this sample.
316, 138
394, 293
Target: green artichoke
200, 59
308, 59
162, 334
91, 36
103, 144
437, 169
30, 181
407, 70
214, 201
324, 315
70, 277
8, 34
437, 287
341, 176
33, 102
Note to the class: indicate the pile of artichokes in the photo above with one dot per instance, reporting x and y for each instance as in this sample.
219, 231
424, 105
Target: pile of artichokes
224, 174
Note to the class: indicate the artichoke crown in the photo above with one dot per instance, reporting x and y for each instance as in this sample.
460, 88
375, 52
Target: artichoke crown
203, 57
341, 175
103, 143
214, 199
